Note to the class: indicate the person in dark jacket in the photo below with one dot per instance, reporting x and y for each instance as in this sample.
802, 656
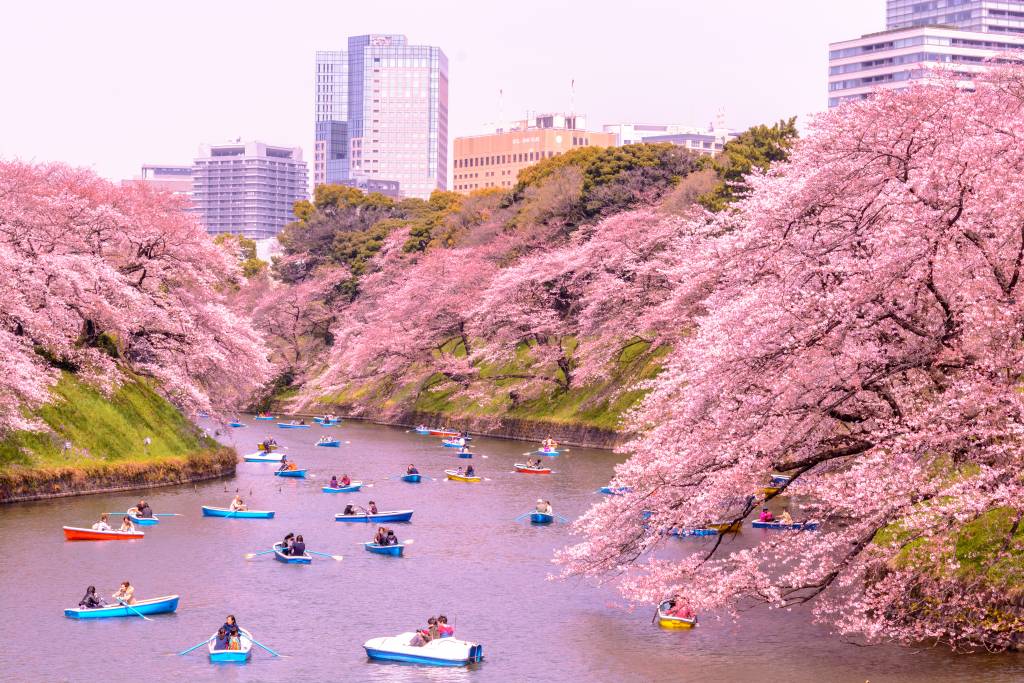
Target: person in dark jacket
91, 600
223, 639
143, 510
299, 546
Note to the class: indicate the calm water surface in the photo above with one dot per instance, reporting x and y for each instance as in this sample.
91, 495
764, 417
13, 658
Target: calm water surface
470, 560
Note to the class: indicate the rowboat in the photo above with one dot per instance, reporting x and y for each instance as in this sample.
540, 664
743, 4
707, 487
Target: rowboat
242, 514
242, 654
264, 417
394, 550
273, 447
443, 432
422, 430
456, 476
74, 533
724, 527
351, 488
551, 452
465, 455
615, 490
325, 422
781, 479
167, 603
453, 443
411, 478
390, 516
263, 456
526, 469
301, 474
541, 518
304, 558
440, 652
144, 521
333, 443
683, 533
795, 526
770, 490
236, 425
286, 425
665, 620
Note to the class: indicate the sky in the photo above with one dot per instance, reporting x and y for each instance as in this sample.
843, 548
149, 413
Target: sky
114, 84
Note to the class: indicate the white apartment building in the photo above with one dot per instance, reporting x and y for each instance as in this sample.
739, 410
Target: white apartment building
710, 140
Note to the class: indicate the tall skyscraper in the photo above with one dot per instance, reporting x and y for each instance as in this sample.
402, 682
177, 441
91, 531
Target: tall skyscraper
247, 188
382, 114
987, 16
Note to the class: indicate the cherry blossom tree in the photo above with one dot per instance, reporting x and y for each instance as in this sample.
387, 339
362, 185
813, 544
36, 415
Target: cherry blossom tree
100, 278
861, 331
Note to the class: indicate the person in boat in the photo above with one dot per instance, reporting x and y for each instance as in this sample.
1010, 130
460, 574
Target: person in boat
463, 449
470, 472
231, 627
126, 524
443, 628
238, 505
345, 480
287, 542
432, 630
292, 466
103, 524
373, 508
381, 537
543, 506
302, 421
786, 518
680, 608
91, 600
334, 482
766, 515
223, 641
125, 594
284, 464
298, 547
391, 539
349, 510
411, 469
459, 471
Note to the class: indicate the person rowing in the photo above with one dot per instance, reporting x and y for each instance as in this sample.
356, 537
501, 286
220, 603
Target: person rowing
381, 537
391, 538
463, 448
373, 508
544, 507
470, 472
678, 607
786, 518
766, 515
350, 510
334, 482
286, 544
231, 628
103, 524
238, 505
298, 547
91, 600
411, 469
345, 480
284, 464
125, 594
126, 524
142, 510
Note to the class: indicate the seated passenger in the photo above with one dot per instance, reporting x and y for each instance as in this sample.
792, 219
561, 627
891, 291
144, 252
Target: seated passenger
125, 593
470, 472
345, 481
443, 628
381, 537
373, 508
223, 641
766, 515
286, 543
126, 524
349, 510
298, 547
411, 469
238, 505
334, 482
91, 600
391, 539
786, 518
143, 510
284, 464
102, 524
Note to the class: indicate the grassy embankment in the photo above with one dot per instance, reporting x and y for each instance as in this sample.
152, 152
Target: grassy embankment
598, 405
107, 437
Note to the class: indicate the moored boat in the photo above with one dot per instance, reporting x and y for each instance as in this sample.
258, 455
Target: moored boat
333, 443
454, 475
541, 518
666, 620
74, 533
167, 603
351, 488
795, 526
394, 550
440, 652
448, 433
412, 478
288, 425
300, 474
526, 469
388, 516
304, 558
209, 511
242, 654
263, 456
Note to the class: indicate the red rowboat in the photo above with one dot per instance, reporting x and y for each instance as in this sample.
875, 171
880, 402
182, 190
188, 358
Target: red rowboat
532, 470
73, 533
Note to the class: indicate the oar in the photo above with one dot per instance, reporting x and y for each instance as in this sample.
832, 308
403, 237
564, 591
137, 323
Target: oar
561, 518
523, 516
249, 556
256, 642
156, 514
125, 604
333, 557
185, 652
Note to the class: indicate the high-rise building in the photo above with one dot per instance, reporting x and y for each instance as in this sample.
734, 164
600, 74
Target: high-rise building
247, 188
495, 159
987, 16
710, 140
382, 114
174, 179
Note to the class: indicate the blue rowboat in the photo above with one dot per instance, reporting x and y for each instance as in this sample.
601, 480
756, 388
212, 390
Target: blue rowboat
393, 550
465, 455
301, 474
541, 518
333, 443
304, 558
167, 603
453, 443
422, 430
263, 456
781, 479
239, 514
390, 516
351, 488
440, 652
265, 417
144, 521
795, 526
285, 425
236, 425
325, 421
614, 490
550, 452
241, 655
682, 533
412, 478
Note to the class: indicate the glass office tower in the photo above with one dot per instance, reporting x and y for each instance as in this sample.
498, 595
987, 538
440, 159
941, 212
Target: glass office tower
988, 16
382, 115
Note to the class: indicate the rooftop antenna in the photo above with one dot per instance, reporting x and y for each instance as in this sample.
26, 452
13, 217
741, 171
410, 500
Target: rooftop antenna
501, 110
572, 97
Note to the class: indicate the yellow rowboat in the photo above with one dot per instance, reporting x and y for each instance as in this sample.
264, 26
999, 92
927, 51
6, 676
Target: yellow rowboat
454, 475
770, 490
725, 527
665, 620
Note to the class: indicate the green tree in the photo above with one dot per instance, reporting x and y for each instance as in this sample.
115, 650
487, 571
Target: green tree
756, 148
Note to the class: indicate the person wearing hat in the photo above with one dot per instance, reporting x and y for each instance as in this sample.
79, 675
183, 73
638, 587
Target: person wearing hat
766, 515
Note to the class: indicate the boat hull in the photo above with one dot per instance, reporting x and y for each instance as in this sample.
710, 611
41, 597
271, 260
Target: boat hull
454, 476
541, 518
144, 521
412, 478
352, 488
550, 453
239, 656
440, 652
263, 456
238, 514
391, 516
465, 455
298, 474
162, 605
279, 555
284, 425
329, 444
268, 418
393, 550
779, 526
72, 533
452, 444
532, 470
442, 432
273, 447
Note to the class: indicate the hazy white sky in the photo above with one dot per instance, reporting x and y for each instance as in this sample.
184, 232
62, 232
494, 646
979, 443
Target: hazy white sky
112, 84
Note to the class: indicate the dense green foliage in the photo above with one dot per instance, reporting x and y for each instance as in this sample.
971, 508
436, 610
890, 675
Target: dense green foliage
756, 148
245, 250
